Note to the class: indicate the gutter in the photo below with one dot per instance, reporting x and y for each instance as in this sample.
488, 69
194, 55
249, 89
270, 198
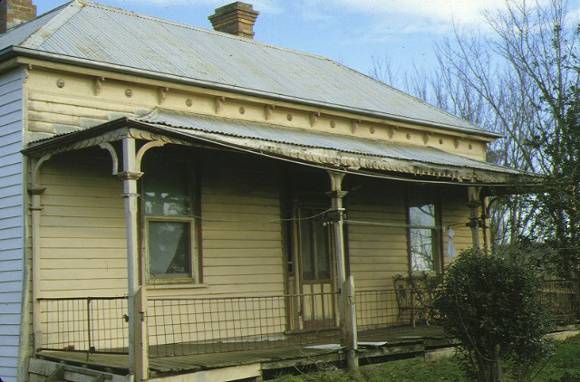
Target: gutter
15, 51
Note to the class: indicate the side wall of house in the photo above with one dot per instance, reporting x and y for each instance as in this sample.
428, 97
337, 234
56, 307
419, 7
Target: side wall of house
11, 222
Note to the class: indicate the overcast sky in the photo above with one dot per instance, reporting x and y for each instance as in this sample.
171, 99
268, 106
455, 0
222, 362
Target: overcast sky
349, 31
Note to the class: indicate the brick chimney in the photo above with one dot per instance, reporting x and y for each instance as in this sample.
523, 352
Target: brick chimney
236, 18
15, 12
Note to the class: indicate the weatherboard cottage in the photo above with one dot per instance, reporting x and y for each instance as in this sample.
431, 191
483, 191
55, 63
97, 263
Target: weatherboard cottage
169, 194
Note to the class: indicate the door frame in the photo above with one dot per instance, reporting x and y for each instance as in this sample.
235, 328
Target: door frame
297, 319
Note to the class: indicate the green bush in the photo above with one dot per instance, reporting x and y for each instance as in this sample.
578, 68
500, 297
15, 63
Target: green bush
492, 305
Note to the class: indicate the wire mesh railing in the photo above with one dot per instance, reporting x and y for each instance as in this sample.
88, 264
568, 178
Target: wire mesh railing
383, 308
562, 299
85, 324
192, 325
187, 326
377, 309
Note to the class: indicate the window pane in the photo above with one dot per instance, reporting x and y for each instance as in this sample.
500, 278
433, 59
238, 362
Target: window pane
169, 244
167, 191
423, 249
322, 253
306, 246
422, 215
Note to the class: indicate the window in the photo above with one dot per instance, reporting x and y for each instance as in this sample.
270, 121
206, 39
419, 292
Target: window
314, 247
423, 236
168, 211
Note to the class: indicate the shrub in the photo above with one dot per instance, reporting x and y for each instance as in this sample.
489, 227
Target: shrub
492, 305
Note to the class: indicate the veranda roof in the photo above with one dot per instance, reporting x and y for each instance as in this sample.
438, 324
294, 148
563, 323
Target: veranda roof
343, 153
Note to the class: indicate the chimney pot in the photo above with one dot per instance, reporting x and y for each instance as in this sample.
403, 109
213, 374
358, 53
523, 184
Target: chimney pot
236, 18
15, 12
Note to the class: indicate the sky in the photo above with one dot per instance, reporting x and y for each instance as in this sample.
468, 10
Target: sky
352, 32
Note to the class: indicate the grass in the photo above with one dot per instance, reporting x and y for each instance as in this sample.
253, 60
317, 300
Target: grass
563, 366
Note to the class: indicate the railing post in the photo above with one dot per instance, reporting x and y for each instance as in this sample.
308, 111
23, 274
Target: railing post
346, 301
350, 326
89, 336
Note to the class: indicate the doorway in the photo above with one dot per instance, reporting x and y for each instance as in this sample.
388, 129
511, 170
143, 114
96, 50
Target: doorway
315, 271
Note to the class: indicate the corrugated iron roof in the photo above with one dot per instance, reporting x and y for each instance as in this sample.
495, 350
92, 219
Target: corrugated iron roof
97, 34
307, 139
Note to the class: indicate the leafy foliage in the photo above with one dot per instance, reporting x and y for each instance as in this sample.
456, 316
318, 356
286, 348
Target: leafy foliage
492, 306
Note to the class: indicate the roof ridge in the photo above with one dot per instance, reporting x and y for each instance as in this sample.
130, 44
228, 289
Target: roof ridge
65, 12
471, 125
127, 12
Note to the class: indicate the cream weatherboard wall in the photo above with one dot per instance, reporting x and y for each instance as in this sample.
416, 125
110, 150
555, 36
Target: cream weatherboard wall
12, 273
83, 236
379, 252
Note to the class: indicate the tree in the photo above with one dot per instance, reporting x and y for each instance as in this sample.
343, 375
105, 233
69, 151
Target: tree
493, 306
523, 82
539, 46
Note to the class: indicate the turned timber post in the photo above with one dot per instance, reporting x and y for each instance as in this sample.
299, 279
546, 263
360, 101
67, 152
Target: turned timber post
486, 224
473, 202
36, 190
346, 301
138, 357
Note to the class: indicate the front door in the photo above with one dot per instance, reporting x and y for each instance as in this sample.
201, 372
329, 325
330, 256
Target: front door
317, 302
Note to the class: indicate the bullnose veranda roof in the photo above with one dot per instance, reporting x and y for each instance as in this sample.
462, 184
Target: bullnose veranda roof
87, 33
350, 154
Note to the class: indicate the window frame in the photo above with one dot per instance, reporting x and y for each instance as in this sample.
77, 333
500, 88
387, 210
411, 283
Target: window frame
436, 230
194, 253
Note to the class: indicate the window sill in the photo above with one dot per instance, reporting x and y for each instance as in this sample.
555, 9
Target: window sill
175, 285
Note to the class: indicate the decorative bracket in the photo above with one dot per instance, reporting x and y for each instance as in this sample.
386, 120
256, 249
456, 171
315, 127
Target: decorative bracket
314, 118
426, 137
35, 173
99, 85
114, 156
354, 124
219, 104
162, 94
456, 142
268, 111
146, 147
